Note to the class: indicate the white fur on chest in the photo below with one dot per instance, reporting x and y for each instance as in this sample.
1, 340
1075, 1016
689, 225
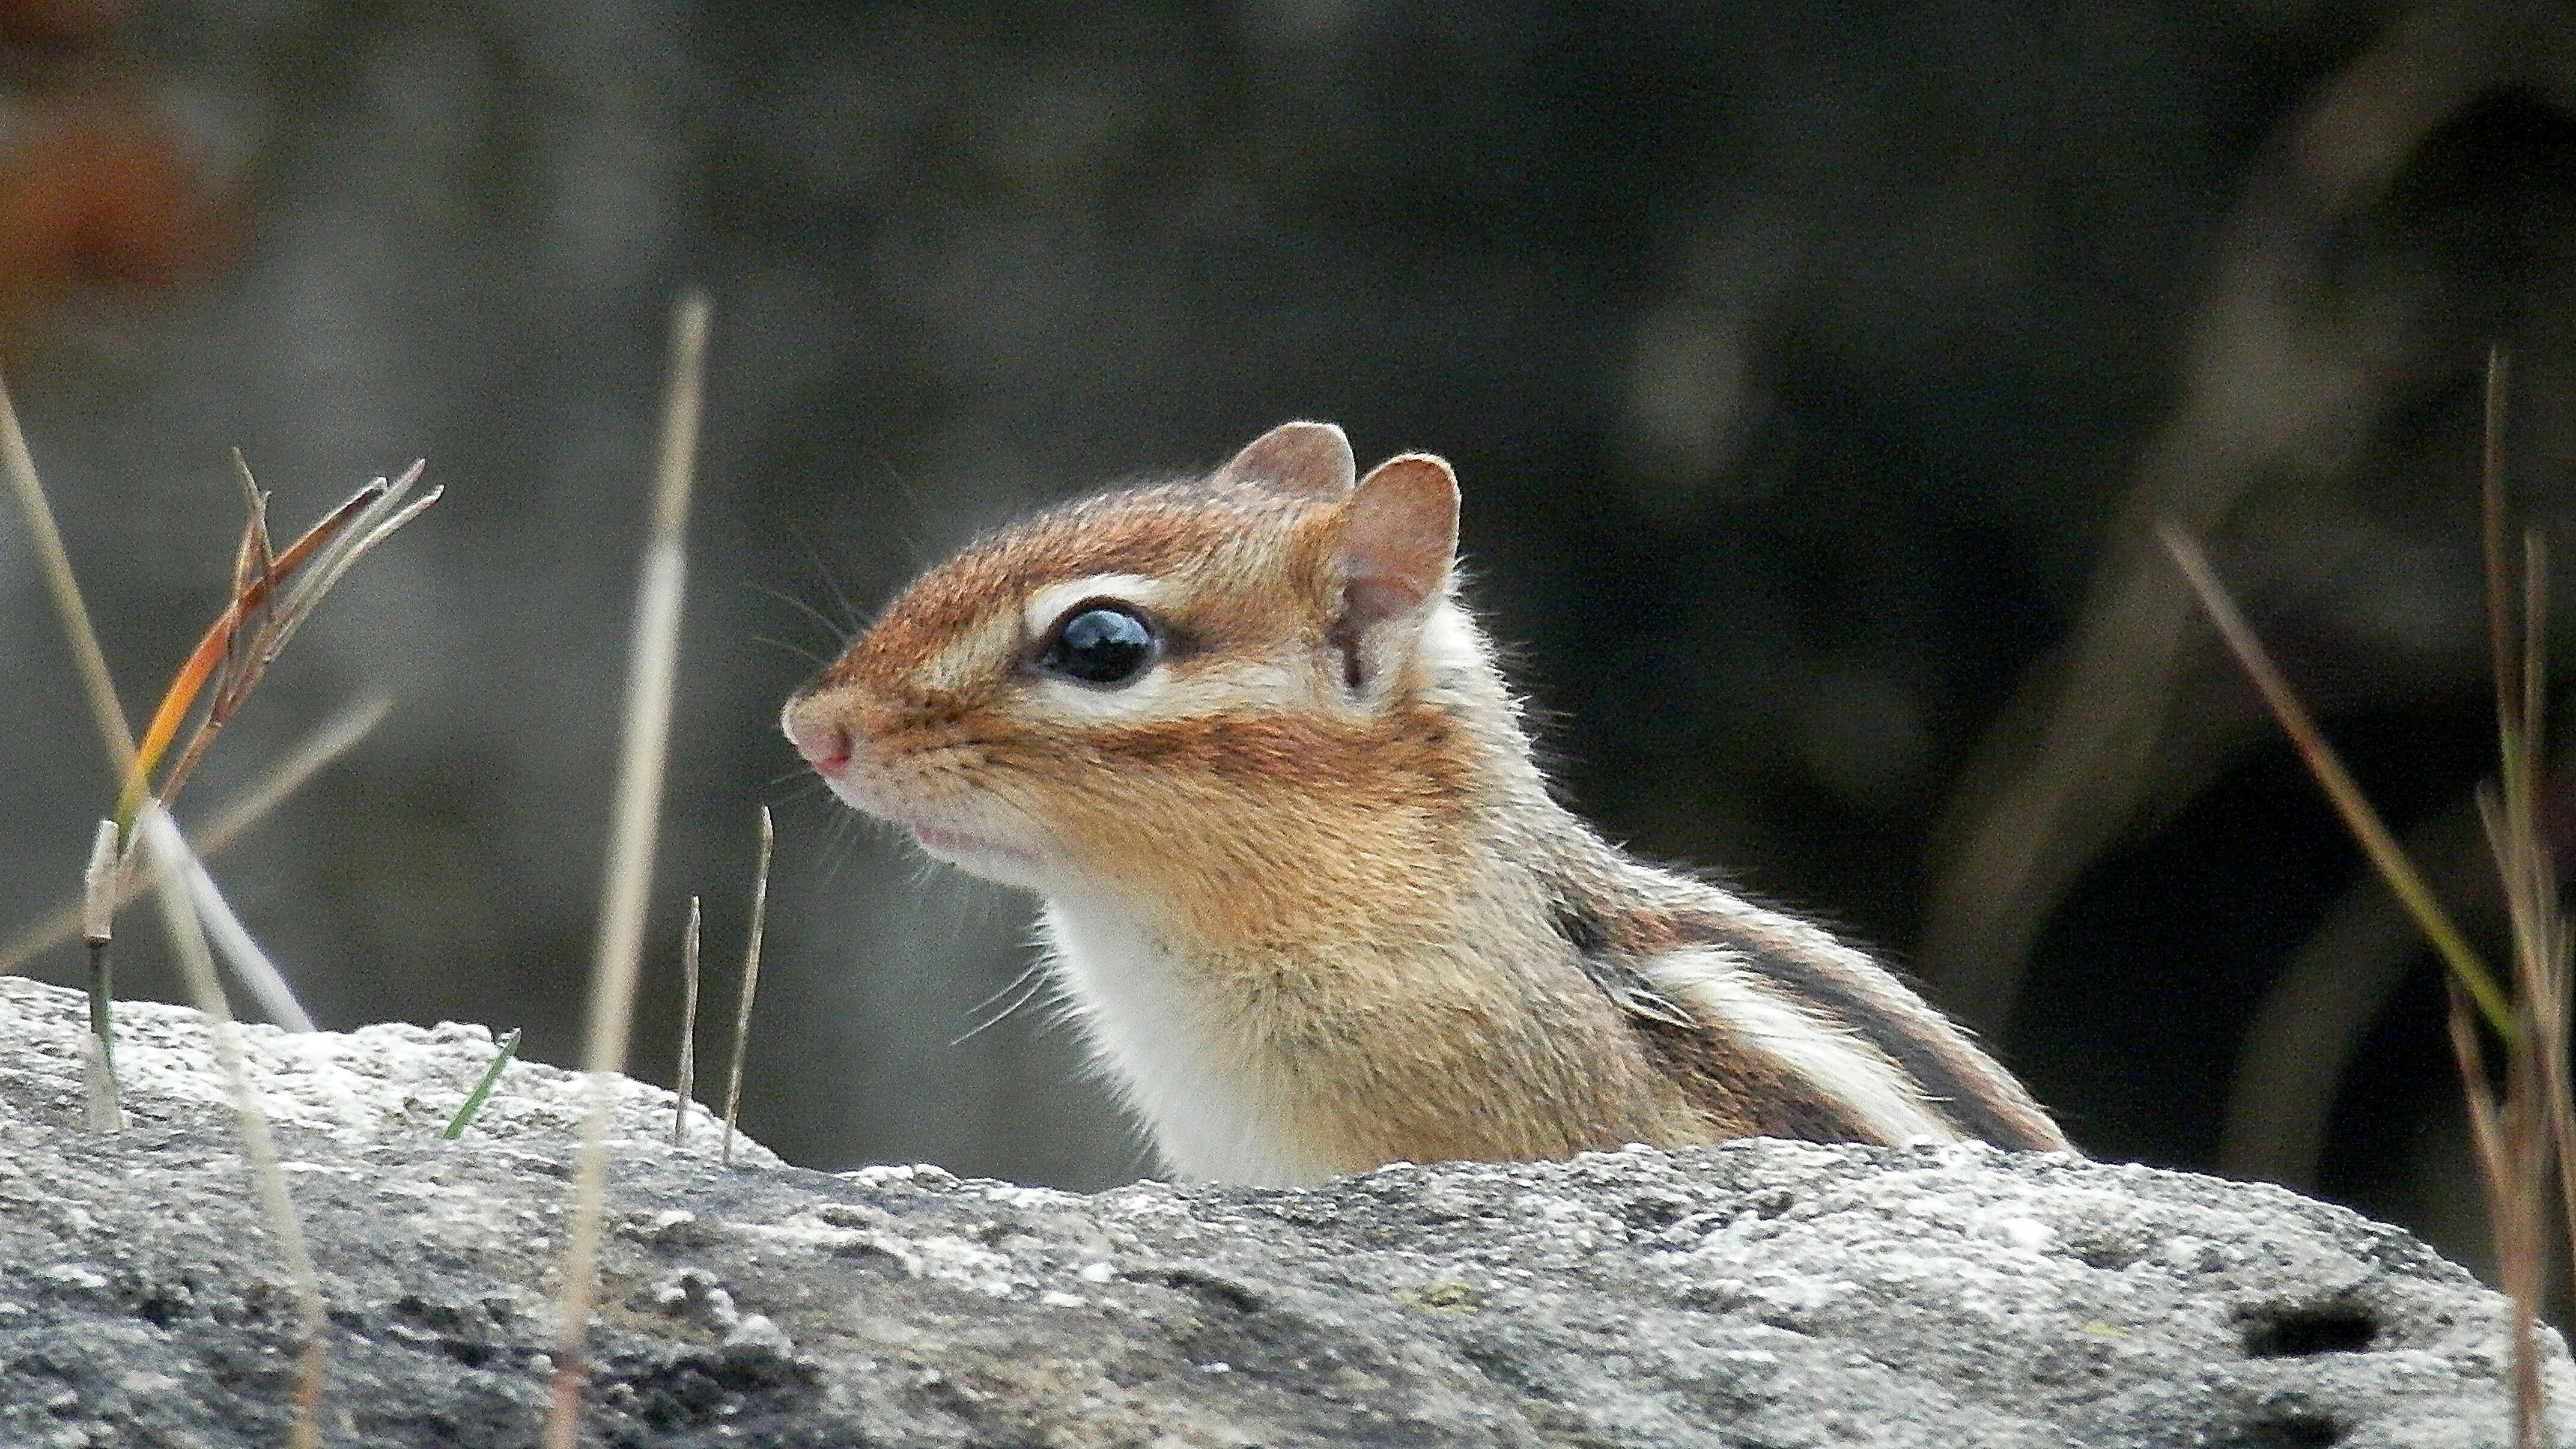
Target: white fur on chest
1198, 1096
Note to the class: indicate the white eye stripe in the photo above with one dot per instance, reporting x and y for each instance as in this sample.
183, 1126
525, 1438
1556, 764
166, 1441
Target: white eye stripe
990, 644
1156, 695
1160, 696
1048, 604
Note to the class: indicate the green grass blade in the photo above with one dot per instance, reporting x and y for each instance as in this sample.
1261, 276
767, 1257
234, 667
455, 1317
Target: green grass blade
473, 1102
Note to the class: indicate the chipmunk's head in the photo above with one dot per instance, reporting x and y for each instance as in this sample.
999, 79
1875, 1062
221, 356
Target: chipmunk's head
1157, 695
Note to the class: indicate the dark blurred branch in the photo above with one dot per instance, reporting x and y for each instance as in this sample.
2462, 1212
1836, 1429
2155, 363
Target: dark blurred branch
2317, 1010
2274, 384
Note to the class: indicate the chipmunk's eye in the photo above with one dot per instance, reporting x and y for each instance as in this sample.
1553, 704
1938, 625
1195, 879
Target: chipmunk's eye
1099, 644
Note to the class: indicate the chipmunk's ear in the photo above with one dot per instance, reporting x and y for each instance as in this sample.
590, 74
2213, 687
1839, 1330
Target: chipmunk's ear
1399, 536
1312, 460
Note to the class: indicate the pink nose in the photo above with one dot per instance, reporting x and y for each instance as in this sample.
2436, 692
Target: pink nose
821, 739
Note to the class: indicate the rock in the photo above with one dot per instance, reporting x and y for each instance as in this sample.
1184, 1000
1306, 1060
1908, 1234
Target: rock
1759, 1293
390, 1082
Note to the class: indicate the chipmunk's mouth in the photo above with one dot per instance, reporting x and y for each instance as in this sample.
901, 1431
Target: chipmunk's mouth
968, 852
972, 852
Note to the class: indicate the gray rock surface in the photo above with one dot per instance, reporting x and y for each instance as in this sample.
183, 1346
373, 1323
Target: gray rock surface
1761, 1293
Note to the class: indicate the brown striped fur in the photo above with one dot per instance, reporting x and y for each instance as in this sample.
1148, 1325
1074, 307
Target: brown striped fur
1309, 892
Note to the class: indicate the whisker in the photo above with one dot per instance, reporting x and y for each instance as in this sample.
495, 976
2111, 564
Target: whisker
1065, 1013
1027, 995
1012, 985
838, 633
839, 838
914, 543
840, 596
798, 650
925, 871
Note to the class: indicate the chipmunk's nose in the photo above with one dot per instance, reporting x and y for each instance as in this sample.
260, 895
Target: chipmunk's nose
821, 739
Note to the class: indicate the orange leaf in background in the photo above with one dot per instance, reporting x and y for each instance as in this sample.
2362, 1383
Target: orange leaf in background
100, 190
128, 212
64, 23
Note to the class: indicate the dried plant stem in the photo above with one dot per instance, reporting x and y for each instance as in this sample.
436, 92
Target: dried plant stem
688, 1073
98, 930
197, 963
2541, 927
2531, 1138
241, 951
2493, 1136
2491, 520
2341, 789
2527, 1135
750, 982
56, 562
2513, 1151
652, 667
99, 1069
335, 738
236, 650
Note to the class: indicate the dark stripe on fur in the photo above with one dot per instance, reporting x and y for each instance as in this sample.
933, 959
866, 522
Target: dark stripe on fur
1744, 1092
1616, 975
1969, 1101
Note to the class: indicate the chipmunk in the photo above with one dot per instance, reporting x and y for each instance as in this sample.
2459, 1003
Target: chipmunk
1305, 888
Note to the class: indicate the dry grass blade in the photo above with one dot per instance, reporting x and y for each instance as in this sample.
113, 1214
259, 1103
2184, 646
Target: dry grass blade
688, 1073
2491, 519
197, 963
336, 737
652, 668
2493, 1133
2554, 1087
240, 949
217, 646
2512, 1166
2328, 768
96, 682
99, 1058
750, 982
2486, 1127
247, 636
2531, 1136
378, 523
2541, 935
255, 560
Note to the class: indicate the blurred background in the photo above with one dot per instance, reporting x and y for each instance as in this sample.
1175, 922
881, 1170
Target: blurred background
1815, 375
